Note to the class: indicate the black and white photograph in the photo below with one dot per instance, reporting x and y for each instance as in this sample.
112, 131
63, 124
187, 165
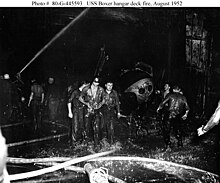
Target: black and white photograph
110, 94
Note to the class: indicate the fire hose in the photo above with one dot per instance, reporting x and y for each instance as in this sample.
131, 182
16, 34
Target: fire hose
96, 175
77, 169
57, 167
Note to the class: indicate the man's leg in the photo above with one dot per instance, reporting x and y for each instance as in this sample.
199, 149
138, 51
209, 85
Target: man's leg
88, 126
110, 126
70, 130
104, 123
81, 131
177, 127
34, 113
56, 108
166, 128
50, 109
96, 128
72, 137
111, 131
39, 115
75, 126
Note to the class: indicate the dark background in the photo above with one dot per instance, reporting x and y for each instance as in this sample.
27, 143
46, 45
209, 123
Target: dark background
129, 35
154, 36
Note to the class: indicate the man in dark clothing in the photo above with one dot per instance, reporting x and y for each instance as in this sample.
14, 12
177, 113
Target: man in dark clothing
76, 114
36, 101
166, 90
92, 97
111, 110
52, 99
5, 98
164, 93
174, 114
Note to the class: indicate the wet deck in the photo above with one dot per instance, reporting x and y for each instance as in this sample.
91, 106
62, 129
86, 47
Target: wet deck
22, 133
52, 141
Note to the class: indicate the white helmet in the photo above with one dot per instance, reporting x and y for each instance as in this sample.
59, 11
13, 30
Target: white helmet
6, 76
50, 80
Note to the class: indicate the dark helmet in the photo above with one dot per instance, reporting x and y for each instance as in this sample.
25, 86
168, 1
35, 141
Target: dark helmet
176, 87
33, 81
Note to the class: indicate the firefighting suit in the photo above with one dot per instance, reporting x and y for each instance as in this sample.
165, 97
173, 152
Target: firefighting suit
110, 110
36, 99
173, 113
93, 115
77, 126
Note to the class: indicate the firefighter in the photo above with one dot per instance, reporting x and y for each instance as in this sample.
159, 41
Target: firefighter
52, 99
174, 115
36, 100
111, 110
92, 97
76, 114
166, 90
5, 98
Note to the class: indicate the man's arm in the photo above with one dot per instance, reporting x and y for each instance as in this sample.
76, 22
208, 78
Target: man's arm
102, 102
30, 98
83, 101
69, 106
213, 121
187, 109
117, 104
42, 98
163, 103
81, 97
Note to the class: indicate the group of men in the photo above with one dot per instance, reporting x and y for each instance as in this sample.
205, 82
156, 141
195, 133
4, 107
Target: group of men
174, 109
43, 100
93, 111
91, 108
